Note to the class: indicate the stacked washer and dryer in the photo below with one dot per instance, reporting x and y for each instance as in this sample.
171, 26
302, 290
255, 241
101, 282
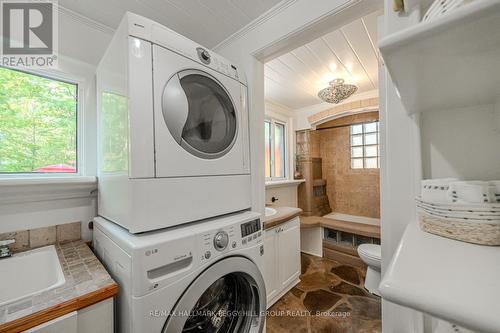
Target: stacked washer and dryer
175, 228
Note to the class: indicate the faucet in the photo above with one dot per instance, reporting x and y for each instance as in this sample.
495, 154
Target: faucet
5, 251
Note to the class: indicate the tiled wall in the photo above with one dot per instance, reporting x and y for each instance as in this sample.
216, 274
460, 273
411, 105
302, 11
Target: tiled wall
28, 239
350, 191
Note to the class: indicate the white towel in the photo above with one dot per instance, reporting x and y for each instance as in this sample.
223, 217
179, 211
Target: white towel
496, 183
472, 191
436, 190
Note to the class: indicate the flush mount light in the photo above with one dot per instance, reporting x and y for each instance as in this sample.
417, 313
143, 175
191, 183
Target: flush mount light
337, 91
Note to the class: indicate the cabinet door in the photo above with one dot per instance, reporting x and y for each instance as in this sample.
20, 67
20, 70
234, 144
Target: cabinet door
289, 252
271, 274
97, 318
66, 324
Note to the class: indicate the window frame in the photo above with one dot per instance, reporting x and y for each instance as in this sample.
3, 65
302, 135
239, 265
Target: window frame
57, 75
273, 121
364, 144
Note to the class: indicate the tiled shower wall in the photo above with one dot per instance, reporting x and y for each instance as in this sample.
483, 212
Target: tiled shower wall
350, 191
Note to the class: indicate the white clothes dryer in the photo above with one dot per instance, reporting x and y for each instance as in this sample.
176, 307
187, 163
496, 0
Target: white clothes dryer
173, 130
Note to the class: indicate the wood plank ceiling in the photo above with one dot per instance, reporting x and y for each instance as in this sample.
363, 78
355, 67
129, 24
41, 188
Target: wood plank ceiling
350, 53
208, 22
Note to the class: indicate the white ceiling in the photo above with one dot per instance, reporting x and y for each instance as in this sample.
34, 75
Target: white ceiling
208, 22
350, 53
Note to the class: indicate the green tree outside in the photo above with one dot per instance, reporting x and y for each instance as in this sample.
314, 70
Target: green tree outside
38, 124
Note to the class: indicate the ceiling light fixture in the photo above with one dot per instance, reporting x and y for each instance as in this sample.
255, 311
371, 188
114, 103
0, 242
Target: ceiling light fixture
337, 91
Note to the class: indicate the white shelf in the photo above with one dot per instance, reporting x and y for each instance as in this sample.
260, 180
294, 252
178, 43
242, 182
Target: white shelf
449, 62
284, 182
455, 281
36, 189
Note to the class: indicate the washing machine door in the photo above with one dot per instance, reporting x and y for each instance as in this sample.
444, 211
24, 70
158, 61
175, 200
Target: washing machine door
228, 297
199, 113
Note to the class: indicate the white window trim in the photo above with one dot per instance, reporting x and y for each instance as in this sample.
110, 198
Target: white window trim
21, 190
14, 178
274, 121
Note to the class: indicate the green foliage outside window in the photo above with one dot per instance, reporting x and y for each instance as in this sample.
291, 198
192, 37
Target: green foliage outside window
38, 123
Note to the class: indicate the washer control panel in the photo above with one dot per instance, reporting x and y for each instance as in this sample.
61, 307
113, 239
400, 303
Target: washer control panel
217, 241
250, 231
225, 239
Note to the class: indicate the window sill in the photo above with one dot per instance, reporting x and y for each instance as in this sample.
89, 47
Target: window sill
18, 190
283, 183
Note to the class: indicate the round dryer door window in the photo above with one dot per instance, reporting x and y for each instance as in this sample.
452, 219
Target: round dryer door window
227, 301
200, 114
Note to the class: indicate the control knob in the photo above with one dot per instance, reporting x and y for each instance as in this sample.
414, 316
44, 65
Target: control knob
221, 240
203, 55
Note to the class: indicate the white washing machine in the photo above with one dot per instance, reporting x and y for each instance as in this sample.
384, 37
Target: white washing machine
204, 277
173, 130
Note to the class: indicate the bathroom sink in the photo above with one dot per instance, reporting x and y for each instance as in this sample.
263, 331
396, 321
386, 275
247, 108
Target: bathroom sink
270, 211
28, 273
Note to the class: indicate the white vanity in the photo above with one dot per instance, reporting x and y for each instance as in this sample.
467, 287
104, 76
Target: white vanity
281, 251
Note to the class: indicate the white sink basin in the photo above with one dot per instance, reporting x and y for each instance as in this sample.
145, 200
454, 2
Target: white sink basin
28, 273
270, 211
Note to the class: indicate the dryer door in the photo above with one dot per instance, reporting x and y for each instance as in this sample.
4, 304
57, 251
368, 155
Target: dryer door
228, 297
200, 119
199, 114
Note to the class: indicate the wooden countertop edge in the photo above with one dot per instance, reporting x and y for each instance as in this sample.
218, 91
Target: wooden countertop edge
53, 312
274, 222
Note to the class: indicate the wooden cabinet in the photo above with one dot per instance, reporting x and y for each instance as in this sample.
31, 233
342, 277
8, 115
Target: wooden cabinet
281, 259
97, 318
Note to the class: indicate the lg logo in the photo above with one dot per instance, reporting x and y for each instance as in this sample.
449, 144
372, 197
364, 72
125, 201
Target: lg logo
27, 27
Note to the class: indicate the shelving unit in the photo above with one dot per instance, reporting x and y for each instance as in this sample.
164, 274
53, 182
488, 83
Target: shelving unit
453, 280
450, 62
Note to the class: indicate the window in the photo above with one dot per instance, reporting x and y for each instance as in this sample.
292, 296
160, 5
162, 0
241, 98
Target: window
365, 151
275, 151
38, 124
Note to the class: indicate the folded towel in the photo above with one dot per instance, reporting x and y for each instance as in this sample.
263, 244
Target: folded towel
436, 190
472, 191
496, 183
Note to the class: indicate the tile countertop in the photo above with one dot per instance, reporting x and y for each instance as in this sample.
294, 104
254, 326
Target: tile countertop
456, 281
283, 214
87, 283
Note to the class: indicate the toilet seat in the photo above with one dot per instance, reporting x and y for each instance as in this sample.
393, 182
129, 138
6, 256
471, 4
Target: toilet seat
371, 254
372, 251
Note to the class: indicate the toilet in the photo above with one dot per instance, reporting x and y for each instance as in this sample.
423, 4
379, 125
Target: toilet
371, 255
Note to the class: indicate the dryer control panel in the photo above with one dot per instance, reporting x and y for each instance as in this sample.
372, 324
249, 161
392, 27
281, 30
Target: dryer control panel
156, 33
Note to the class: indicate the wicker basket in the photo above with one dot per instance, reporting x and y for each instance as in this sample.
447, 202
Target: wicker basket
484, 233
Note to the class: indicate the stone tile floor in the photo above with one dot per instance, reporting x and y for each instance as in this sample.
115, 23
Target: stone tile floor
329, 299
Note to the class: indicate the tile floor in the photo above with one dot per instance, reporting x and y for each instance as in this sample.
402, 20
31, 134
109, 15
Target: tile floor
329, 299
